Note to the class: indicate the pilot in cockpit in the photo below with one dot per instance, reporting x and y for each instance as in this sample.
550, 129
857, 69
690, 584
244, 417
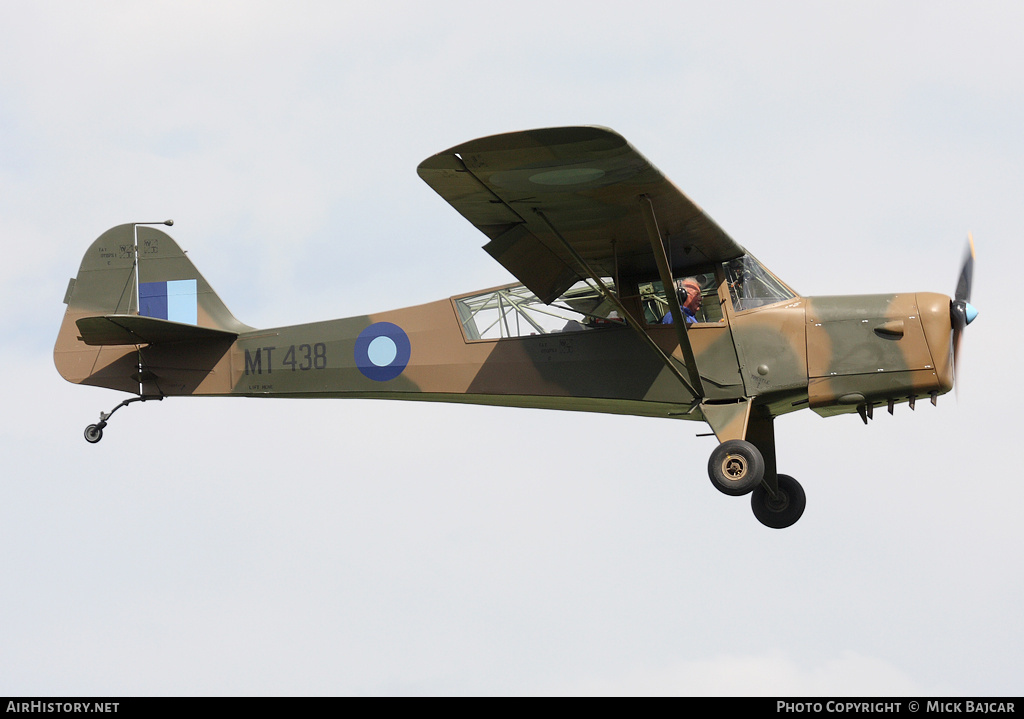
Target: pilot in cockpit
688, 291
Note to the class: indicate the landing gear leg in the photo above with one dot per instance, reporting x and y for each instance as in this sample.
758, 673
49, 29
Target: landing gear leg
779, 501
94, 432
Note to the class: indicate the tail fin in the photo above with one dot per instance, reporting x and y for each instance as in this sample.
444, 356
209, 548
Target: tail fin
127, 322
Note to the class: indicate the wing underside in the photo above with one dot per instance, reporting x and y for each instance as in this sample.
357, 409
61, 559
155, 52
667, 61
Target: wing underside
554, 201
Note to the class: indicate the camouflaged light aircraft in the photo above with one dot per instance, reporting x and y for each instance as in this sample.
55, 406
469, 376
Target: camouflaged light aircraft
595, 234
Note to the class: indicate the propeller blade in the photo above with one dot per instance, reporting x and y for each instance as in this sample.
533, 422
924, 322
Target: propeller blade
961, 311
963, 285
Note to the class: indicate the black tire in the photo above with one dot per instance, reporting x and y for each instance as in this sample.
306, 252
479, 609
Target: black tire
93, 433
736, 467
782, 510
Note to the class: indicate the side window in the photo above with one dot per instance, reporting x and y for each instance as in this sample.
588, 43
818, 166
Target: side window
697, 293
514, 311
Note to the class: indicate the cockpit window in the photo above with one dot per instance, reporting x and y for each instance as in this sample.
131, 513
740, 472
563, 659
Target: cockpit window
516, 312
751, 285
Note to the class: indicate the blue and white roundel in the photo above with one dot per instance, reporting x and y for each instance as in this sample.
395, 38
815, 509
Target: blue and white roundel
382, 351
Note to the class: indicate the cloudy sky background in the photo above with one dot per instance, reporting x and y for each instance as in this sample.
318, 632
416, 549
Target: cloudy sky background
220, 546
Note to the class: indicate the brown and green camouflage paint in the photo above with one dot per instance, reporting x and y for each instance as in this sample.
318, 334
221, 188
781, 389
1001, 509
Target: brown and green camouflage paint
831, 353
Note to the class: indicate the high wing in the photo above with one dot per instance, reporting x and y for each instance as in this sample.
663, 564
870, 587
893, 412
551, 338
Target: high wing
554, 201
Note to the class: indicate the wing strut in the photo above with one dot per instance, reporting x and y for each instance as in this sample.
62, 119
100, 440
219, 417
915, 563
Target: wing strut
678, 320
623, 312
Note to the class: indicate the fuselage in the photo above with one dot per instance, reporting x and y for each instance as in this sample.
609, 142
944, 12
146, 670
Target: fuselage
754, 339
829, 353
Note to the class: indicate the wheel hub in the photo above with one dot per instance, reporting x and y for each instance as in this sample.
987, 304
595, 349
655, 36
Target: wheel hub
734, 467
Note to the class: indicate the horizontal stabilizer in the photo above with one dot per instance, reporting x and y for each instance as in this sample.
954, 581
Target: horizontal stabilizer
139, 330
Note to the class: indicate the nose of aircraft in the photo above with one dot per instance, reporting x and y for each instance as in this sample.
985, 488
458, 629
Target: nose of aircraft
961, 314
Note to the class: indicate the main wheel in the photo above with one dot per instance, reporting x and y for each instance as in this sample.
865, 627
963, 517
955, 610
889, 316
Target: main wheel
93, 433
736, 467
784, 508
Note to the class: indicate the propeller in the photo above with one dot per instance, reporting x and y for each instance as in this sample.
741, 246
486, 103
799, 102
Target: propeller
961, 311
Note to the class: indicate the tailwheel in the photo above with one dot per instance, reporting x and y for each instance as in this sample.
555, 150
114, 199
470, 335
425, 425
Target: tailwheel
781, 509
94, 432
736, 467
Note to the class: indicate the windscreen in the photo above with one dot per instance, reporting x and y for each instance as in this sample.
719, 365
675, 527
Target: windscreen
751, 285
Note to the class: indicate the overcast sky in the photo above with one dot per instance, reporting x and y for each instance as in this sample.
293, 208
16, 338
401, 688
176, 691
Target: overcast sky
229, 546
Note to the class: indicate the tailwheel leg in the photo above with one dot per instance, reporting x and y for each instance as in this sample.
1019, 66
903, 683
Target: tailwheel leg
94, 432
781, 508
